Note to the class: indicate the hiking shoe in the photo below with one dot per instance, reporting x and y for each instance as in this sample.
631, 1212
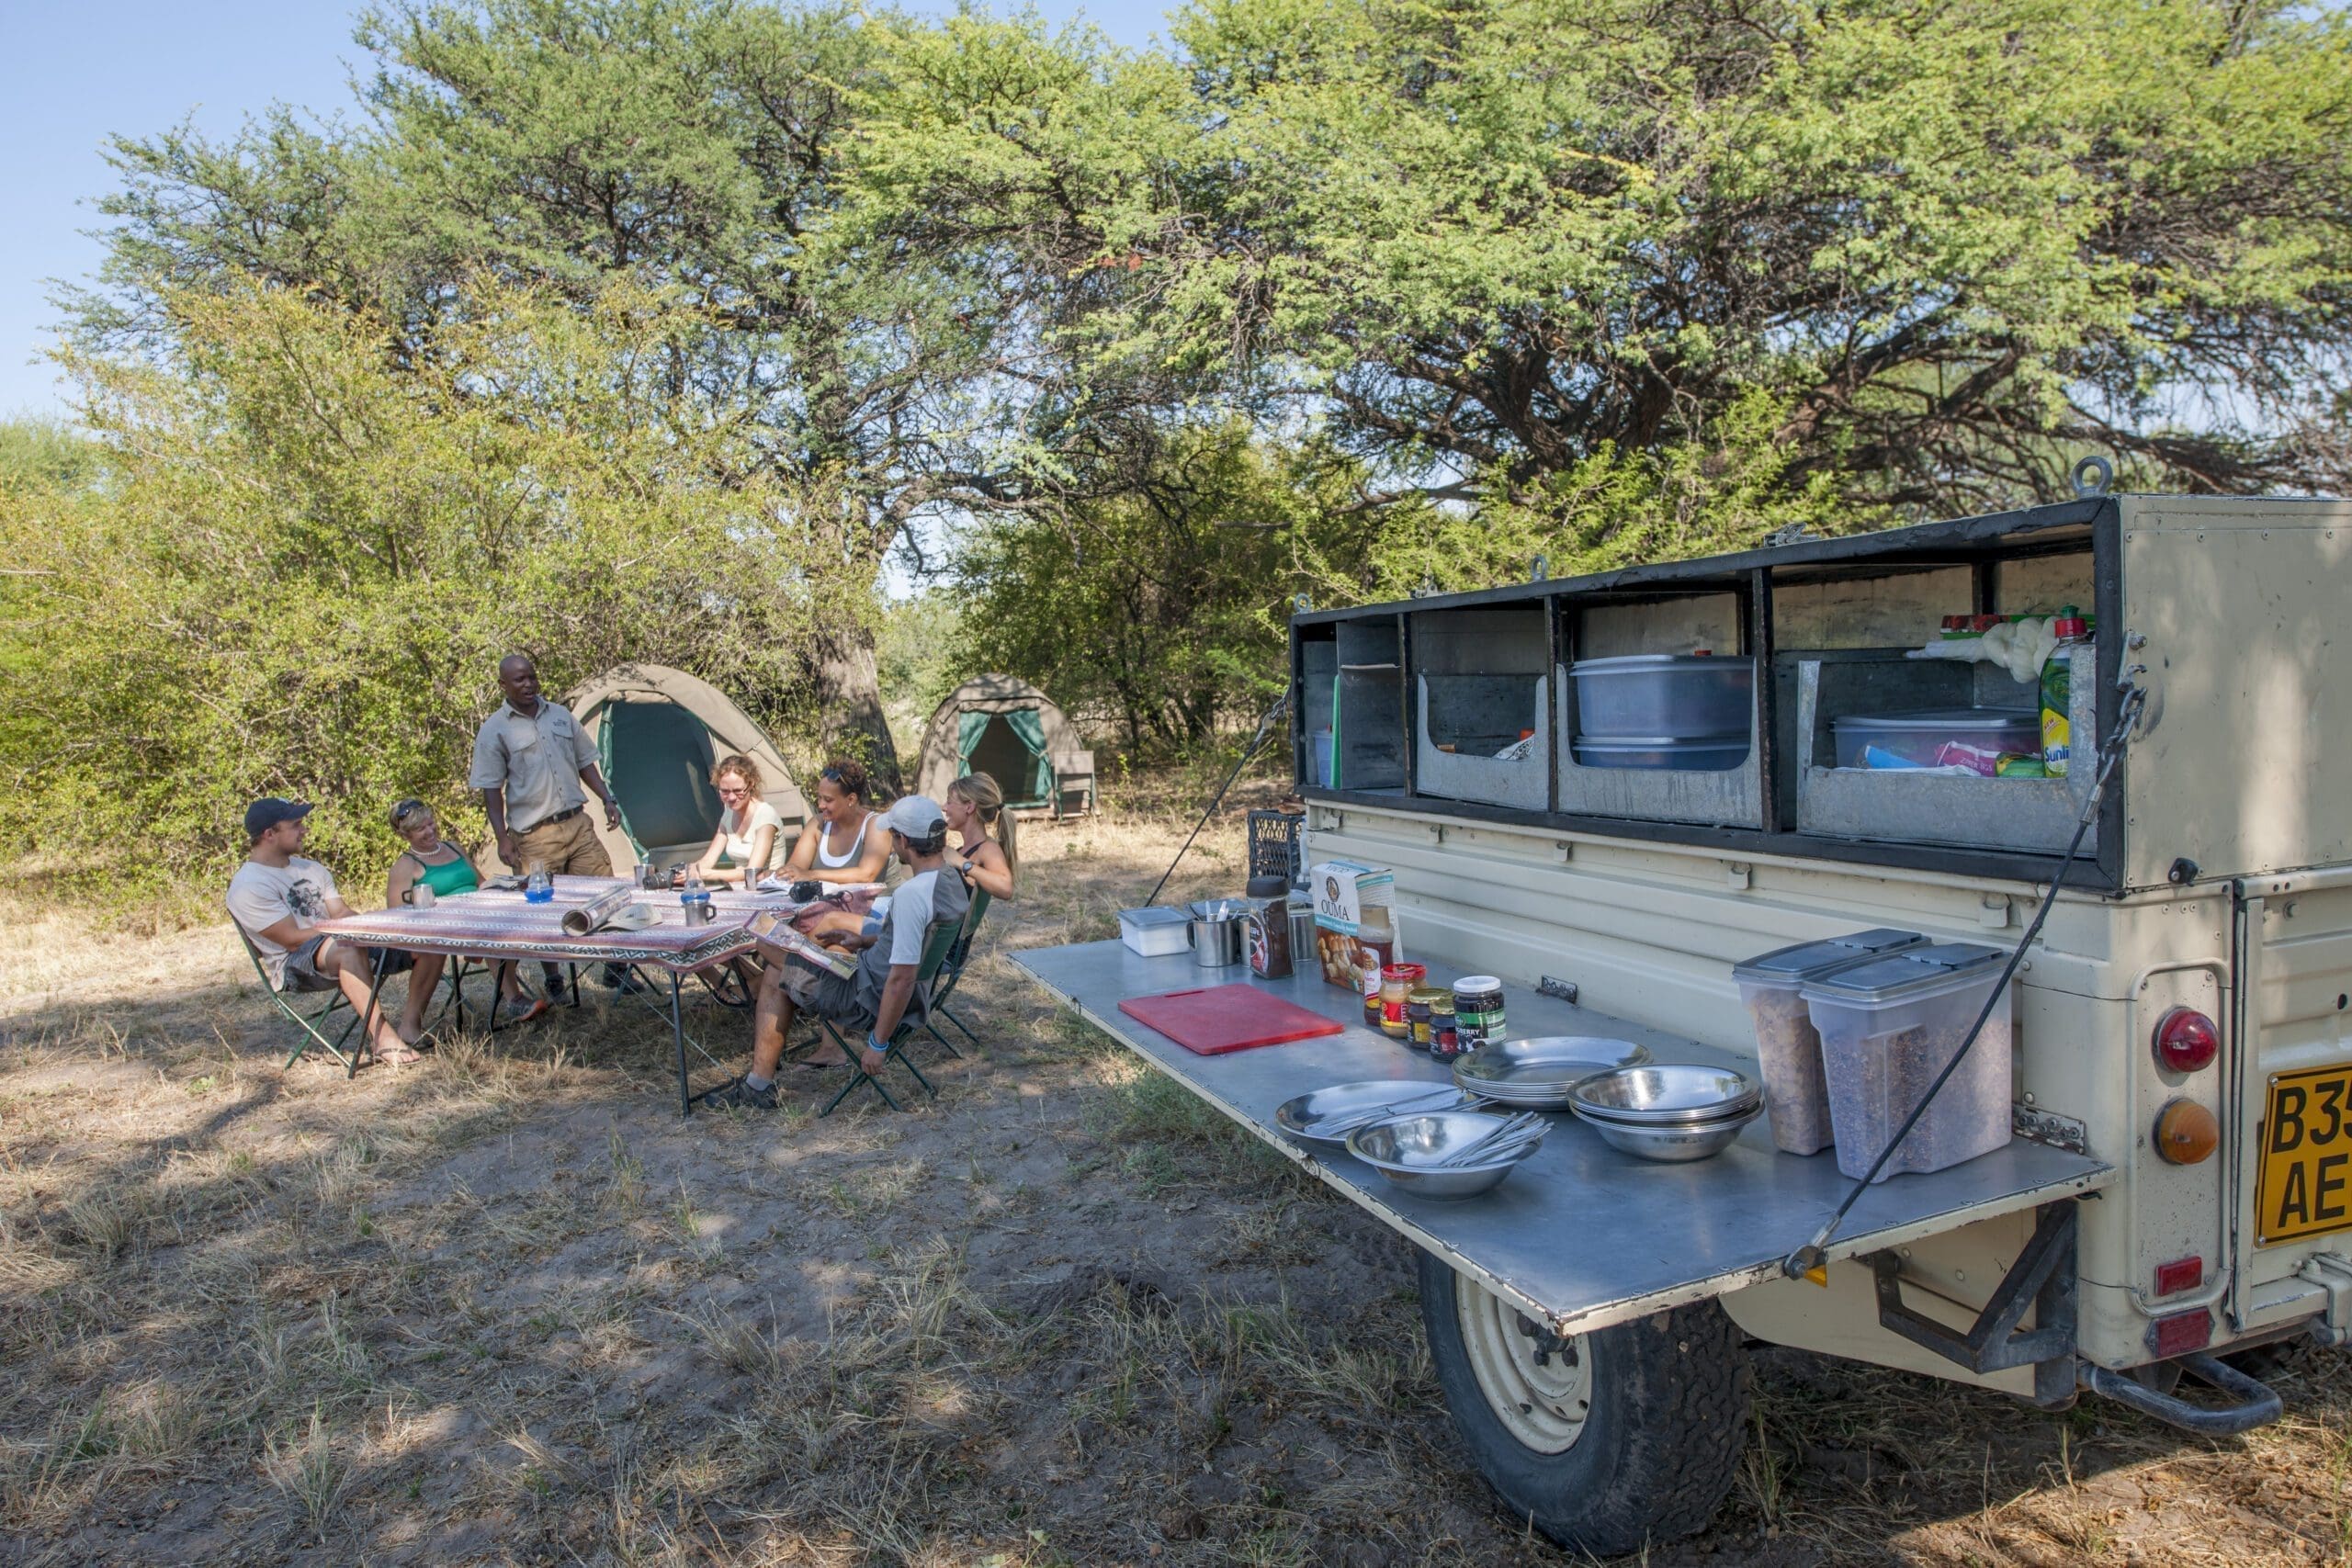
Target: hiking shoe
623, 980
559, 986
742, 1094
522, 1009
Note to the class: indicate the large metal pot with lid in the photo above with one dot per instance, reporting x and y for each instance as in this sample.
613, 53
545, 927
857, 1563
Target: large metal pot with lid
1219, 932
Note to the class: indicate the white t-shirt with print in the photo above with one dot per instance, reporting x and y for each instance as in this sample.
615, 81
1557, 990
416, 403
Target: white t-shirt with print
262, 896
738, 844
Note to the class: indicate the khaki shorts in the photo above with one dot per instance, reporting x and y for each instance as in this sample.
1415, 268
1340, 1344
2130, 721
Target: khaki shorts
568, 848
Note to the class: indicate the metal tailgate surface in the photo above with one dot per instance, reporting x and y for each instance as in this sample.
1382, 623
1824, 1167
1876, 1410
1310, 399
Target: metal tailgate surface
1580, 1236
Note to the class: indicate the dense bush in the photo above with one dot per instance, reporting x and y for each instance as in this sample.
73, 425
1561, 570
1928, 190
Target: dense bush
304, 563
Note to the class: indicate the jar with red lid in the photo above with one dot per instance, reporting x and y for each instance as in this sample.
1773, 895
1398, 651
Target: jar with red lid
1397, 983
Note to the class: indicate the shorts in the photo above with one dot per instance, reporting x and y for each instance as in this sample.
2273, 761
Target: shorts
303, 973
821, 993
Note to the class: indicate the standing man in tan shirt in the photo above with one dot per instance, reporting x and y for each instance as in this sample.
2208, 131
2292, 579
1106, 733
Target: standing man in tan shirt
535, 770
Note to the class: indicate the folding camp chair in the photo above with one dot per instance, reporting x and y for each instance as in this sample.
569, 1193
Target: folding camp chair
308, 1022
952, 971
935, 954
1073, 781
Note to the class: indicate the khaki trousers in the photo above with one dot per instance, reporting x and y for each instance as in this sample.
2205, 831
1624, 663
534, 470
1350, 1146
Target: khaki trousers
567, 848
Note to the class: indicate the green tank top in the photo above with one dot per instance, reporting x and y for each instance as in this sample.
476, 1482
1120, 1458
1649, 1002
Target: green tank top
450, 878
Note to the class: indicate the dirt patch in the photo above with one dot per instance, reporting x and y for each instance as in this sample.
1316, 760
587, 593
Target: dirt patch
508, 1307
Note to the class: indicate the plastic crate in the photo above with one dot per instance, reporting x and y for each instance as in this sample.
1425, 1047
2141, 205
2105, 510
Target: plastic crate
1274, 844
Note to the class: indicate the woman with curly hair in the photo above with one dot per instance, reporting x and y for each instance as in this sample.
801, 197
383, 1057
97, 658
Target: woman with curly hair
748, 827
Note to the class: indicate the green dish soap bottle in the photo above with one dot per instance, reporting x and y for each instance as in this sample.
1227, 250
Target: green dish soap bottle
2057, 690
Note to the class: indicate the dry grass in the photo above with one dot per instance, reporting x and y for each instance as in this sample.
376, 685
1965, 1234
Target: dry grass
507, 1307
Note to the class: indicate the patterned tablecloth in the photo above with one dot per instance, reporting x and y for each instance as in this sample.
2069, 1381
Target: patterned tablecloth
493, 923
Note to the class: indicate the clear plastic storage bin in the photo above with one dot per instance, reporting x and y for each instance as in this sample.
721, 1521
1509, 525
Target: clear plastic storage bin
1887, 1028
1788, 1048
1939, 737
1154, 930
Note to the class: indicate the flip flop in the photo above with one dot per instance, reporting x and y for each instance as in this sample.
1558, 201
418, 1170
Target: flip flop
409, 1056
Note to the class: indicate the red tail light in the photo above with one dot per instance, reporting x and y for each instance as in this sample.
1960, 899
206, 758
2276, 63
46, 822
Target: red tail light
2181, 1274
2178, 1333
2187, 1040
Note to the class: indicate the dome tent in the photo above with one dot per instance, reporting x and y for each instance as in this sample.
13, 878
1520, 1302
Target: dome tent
1012, 732
658, 732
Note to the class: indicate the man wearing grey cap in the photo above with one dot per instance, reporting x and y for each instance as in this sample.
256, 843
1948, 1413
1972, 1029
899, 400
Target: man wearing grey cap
876, 996
279, 895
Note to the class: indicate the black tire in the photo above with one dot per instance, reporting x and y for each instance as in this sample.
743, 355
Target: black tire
1665, 1416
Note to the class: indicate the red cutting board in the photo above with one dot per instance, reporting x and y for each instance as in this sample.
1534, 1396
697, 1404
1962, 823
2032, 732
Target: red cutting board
1217, 1018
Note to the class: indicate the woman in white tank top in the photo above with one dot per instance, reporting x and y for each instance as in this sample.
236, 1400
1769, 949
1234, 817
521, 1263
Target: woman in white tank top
840, 845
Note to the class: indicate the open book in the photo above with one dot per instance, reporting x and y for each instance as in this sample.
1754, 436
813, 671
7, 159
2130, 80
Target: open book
778, 941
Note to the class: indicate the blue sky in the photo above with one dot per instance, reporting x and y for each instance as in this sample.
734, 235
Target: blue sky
72, 76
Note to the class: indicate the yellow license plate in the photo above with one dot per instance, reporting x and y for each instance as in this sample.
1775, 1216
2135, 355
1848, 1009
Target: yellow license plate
2305, 1188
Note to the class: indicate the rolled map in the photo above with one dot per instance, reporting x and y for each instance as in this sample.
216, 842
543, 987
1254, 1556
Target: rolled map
592, 915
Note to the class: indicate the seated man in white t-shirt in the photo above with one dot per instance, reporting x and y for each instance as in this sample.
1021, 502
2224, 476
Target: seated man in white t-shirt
278, 896
879, 994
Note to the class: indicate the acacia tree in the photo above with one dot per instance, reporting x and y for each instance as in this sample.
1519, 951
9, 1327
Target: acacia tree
697, 146
1502, 241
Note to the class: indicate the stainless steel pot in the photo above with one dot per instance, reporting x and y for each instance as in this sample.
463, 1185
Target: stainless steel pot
1219, 932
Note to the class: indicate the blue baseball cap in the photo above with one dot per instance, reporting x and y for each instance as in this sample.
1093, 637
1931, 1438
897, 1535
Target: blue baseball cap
270, 811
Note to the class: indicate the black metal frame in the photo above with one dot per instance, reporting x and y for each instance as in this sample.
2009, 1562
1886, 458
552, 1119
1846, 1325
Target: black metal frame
1980, 543
2043, 1279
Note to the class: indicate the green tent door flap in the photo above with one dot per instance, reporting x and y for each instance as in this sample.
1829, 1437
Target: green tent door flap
658, 757
1011, 749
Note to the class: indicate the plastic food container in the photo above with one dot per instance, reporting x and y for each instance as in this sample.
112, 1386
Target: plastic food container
1154, 931
1709, 754
1788, 1048
1939, 736
1319, 745
1887, 1028
1681, 694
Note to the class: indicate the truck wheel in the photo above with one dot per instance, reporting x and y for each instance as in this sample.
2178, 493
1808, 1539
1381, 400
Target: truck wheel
1604, 1441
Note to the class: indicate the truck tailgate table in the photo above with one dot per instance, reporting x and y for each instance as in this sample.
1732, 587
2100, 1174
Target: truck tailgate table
1580, 1236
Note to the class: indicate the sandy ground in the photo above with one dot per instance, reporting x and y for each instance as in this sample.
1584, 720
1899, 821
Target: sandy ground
508, 1307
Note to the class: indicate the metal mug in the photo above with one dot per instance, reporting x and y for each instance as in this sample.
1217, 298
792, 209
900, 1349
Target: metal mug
419, 894
1219, 932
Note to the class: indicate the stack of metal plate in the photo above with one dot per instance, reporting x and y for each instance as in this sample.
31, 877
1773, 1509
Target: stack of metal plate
1539, 1073
1670, 1113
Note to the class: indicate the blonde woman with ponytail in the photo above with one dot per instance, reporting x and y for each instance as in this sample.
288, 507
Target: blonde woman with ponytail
974, 807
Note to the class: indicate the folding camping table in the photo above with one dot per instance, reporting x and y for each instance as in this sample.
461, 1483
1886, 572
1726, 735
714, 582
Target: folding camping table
495, 924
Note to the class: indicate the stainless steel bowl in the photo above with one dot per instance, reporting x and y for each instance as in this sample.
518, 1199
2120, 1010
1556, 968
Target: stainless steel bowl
1666, 1096
1404, 1148
1670, 1146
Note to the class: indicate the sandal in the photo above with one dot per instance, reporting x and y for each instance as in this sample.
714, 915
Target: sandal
406, 1056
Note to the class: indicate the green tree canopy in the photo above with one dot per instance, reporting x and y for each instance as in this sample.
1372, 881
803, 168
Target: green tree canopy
1955, 246
306, 562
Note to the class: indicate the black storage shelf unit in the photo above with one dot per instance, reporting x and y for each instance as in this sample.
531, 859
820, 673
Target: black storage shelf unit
1425, 692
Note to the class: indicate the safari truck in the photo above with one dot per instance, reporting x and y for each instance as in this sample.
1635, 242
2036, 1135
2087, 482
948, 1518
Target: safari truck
2175, 1184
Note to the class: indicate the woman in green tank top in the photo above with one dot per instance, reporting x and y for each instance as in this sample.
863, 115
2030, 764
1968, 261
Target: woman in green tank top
432, 861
